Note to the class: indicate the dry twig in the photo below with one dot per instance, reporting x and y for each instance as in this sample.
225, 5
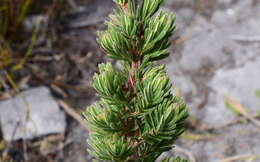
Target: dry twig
245, 38
239, 108
72, 113
238, 157
59, 90
208, 128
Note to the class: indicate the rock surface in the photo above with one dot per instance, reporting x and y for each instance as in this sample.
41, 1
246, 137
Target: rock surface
219, 56
216, 49
31, 114
90, 12
239, 83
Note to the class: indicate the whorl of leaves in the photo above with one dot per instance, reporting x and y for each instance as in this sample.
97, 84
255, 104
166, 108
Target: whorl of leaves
137, 118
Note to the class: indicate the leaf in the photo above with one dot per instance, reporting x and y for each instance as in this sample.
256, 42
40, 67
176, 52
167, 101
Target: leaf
257, 93
232, 108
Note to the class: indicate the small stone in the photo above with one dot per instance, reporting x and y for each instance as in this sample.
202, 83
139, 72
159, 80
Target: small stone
31, 114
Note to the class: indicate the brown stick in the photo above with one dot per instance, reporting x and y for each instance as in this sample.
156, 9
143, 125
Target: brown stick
238, 157
72, 113
242, 111
207, 128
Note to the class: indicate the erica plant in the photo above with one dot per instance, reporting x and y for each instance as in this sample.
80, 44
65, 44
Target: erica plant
137, 118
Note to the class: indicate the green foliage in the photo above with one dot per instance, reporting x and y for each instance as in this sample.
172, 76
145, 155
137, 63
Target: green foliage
107, 84
111, 148
257, 93
174, 160
137, 118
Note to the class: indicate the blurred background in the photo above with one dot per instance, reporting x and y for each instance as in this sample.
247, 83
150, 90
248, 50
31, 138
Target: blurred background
48, 55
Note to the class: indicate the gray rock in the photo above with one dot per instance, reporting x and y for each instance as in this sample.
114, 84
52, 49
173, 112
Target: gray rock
236, 140
179, 3
241, 84
90, 13
220, 56
211, 45
31, 114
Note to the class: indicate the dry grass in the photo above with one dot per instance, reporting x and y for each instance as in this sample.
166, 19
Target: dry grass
12, 16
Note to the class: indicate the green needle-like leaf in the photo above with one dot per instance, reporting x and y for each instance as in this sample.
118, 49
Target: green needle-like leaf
137, 117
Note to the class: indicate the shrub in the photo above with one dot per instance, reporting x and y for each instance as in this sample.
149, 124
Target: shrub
137, 118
